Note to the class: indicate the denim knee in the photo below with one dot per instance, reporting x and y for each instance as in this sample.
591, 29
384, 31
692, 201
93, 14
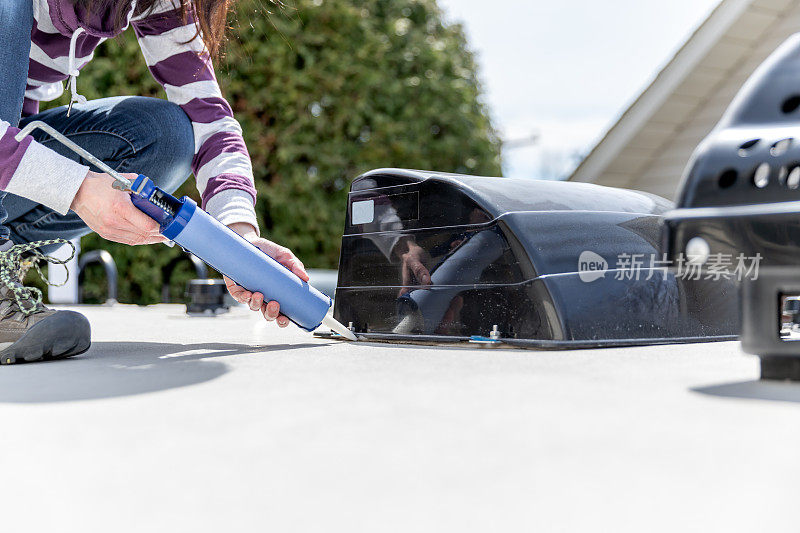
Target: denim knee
169, 148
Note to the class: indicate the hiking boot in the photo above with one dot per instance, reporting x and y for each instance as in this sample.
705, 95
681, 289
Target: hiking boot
29, 331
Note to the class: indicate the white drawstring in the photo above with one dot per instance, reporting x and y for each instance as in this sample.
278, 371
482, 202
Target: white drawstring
75, 97
74, 72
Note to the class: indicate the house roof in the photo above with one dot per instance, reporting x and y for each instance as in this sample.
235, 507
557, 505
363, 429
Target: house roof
202, 424
650, 144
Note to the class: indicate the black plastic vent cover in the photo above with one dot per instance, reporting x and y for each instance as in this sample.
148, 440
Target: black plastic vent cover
437, 257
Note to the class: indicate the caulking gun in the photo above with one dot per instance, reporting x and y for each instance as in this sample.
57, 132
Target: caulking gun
183, 222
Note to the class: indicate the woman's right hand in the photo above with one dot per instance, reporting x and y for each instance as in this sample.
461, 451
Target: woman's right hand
110, 213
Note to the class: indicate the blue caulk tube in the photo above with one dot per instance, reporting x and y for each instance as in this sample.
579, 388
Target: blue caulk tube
226, 251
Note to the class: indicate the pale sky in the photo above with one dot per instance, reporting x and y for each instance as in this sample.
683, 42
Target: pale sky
566, 69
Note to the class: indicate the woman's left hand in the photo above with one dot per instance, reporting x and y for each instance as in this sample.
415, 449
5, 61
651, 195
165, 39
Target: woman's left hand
271, 310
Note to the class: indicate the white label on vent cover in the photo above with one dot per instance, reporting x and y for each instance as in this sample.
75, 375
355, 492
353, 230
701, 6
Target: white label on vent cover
363, 212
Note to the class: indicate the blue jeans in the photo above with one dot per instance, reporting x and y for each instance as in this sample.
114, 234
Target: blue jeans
130, 134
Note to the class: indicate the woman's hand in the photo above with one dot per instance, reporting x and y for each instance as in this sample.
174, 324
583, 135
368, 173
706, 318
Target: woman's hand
270, 310
413, 270
111, 214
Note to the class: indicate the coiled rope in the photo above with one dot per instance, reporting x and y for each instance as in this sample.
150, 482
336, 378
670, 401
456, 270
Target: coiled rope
11, 264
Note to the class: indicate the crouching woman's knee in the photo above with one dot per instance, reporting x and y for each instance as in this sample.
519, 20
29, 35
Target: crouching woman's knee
170, 151
176, 146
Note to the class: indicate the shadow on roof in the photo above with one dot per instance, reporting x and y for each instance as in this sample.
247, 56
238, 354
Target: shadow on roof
114, 369
776, 391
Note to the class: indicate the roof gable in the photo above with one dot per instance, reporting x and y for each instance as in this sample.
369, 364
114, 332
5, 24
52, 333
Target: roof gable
654, 137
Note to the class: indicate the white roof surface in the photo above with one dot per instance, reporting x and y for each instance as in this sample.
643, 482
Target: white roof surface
221, 424
649, 146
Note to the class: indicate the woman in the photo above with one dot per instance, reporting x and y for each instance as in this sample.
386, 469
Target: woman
47, 193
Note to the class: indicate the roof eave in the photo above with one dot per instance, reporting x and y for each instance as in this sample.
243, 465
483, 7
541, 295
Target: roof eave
656, 94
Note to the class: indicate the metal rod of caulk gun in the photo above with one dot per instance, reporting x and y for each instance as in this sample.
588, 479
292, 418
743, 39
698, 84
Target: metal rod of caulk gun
121, 182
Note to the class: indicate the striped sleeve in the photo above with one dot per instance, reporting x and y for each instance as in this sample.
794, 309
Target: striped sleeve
180, 63
29, 168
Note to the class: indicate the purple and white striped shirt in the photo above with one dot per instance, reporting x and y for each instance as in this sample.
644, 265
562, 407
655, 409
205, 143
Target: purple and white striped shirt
179, 63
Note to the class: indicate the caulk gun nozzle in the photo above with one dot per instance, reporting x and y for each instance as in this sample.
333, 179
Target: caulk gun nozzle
338, 327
